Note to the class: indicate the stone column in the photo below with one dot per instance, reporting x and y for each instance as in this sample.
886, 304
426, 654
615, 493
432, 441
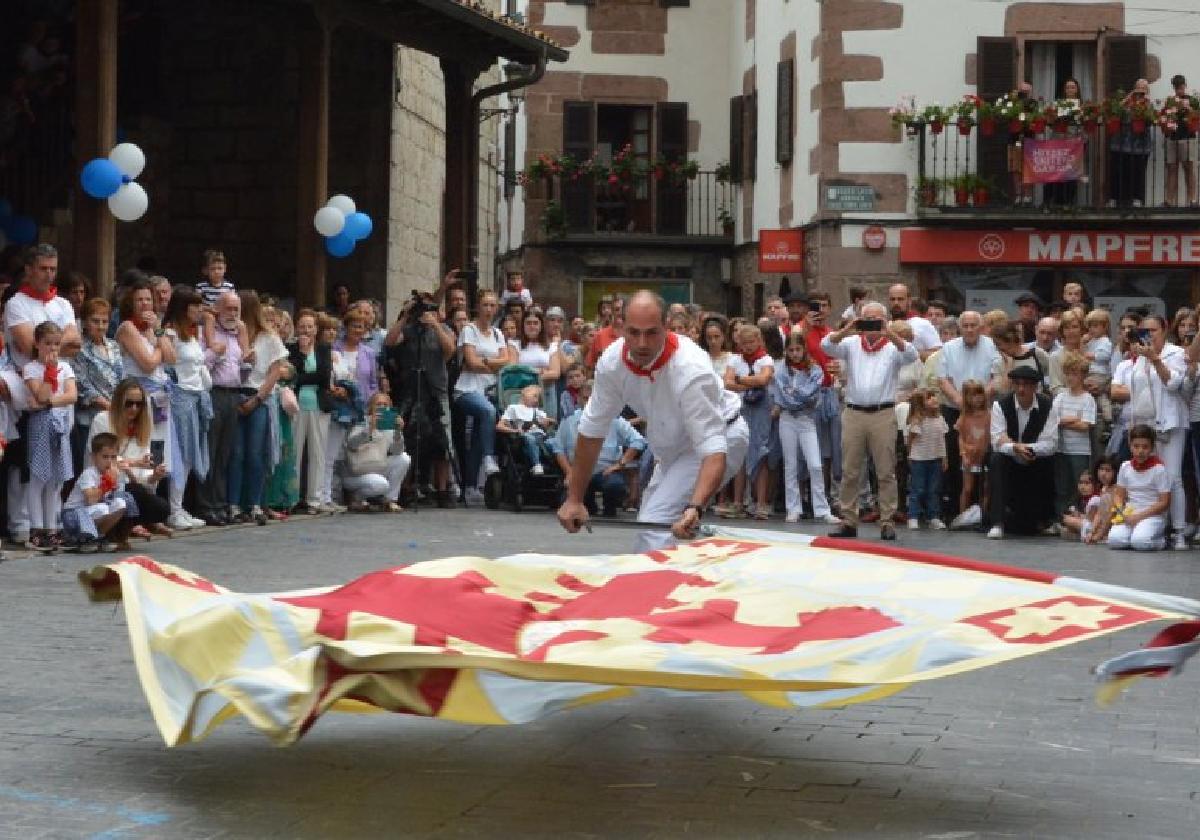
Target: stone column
96, 123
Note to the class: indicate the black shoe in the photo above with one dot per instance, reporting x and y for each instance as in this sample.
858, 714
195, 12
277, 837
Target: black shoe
843, 532
887, 532
260, 518
610, 513
211, 519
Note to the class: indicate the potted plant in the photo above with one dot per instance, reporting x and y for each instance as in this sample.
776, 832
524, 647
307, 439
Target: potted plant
1011, 110
904, 114
927, 191
727, 219
1141, 116
724, 172
1038, 119
1114, 112
1090, 116
554, 220
986, 114
980, 188
965, 112
936, 117
962, 190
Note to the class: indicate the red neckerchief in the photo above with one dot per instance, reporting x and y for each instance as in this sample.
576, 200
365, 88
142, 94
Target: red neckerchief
50, 377
669, 347
45, 297
751, 358
1149, 463
876, 346
796, 368
107, 484
131, 430
574, 392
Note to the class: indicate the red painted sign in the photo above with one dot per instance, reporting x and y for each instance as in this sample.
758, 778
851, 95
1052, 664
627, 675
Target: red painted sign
781, 251
1053, 161
1175, 249
874, 238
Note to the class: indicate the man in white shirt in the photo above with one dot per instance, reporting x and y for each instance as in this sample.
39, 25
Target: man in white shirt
925, 334
871, 357
970, 356
670, 383
1021, 468
36, 302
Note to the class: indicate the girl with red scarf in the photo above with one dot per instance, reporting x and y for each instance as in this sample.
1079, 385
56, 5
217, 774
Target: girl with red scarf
748, 375
51, 384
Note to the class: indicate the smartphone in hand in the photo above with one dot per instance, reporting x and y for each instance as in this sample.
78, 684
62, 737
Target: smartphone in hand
157, 452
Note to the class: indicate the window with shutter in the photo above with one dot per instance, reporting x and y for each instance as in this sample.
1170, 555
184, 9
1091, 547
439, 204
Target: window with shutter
672, 146
1124, 62
785, 123
995, 75
735, 139
579, 140
750, 117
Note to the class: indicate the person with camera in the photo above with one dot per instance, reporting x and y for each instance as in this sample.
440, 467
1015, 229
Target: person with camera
1151, 382
871, 355
669, 382
419, 346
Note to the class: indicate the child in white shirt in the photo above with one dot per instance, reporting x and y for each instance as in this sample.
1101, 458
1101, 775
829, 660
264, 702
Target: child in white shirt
51, 385
98, 507
1076, 417
527, 419
1140, 498
514, 289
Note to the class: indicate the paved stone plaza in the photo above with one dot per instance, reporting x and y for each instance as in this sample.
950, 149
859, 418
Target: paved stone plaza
1018, 750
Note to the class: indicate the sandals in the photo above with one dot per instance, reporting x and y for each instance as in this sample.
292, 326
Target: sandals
162, 530
762, 514
393, 507
140, 532
733, 512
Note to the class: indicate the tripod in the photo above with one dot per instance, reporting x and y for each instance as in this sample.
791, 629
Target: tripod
419, 335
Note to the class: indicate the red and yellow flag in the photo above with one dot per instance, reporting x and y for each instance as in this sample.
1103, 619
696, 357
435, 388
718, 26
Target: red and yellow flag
784, 619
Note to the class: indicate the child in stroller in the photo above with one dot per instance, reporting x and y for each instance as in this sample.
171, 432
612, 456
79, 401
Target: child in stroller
527, 419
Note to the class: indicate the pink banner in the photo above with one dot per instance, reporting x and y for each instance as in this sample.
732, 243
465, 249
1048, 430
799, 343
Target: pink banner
1053, 161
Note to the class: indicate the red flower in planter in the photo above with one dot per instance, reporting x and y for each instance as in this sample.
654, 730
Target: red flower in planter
987, 126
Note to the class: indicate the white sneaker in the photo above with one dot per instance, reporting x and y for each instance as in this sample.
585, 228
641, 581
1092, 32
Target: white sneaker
1181, 542
792, 518
830, 519
474, 496
490, 467
196, 523
537, 469
937, 524
179, 522
997, 533
913, 525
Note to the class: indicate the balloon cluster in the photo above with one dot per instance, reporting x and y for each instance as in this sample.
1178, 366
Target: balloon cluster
112, 178
342, 225
19, 230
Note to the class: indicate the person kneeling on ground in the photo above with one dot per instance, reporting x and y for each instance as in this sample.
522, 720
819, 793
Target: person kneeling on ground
375, 462
620, 450
98, 507
527, 419
1140, 498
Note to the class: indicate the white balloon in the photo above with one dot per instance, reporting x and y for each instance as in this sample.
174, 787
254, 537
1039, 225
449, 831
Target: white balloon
342, 202
129, 203
128, 158
329, 221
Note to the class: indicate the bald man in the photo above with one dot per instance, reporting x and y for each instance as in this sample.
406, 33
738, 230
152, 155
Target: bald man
925, 334
668, 381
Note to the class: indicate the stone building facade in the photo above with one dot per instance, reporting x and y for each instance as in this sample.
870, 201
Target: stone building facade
795, 97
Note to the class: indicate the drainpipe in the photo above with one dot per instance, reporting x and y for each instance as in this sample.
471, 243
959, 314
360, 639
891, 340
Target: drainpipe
477, 98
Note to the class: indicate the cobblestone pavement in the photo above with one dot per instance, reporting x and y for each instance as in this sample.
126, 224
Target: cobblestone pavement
1018, 750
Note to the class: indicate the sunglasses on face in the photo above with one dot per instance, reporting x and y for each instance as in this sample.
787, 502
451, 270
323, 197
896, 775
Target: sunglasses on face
134, 403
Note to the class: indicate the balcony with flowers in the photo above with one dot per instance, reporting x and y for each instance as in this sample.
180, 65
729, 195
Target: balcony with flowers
1020, 157
629, 196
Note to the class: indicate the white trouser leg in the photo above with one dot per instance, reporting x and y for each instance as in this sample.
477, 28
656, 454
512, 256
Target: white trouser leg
312, 429
737, 444
669, 490
810, 445
18, 504
177, 484
1170, 446
333, 452
363, 487
397, 468
789, 442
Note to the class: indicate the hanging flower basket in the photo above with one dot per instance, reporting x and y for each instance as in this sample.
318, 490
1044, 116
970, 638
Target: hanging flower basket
1138, 125
936, 126
987, 126
980, 196
962, 196
1015, 126
1113, 125
1038, 124
1061, 126
964, 128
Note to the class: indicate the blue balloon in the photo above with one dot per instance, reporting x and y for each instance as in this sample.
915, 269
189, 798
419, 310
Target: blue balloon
100, 178
5, 208
341, 245
358, 225
21, 230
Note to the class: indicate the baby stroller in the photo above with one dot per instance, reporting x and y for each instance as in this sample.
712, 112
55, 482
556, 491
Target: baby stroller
515, 485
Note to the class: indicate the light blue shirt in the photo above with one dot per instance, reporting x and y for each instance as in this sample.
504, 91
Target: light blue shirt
621, 436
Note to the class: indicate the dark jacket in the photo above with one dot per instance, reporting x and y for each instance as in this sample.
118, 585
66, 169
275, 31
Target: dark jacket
321, 377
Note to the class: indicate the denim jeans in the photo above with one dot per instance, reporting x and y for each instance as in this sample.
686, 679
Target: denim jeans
925, 489
612, 489
532, 444
248, 459
475, 405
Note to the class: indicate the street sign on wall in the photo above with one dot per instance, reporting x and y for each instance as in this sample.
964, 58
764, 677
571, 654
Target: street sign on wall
850, 197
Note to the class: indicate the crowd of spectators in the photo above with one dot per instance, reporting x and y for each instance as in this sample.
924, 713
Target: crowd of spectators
175, 407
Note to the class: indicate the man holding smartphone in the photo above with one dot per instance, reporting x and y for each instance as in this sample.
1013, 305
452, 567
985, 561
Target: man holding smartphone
871, 355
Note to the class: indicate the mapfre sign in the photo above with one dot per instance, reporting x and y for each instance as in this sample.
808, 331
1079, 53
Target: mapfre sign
1050, 247
780, 251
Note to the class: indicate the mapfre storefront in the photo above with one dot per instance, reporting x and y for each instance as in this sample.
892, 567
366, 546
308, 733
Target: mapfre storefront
988, 269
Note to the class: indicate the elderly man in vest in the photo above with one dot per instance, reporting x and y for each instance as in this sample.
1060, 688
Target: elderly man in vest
1021, 469
871, 355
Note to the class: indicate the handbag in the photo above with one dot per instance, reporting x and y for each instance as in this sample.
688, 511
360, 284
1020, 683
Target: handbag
288, 401
369, 455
